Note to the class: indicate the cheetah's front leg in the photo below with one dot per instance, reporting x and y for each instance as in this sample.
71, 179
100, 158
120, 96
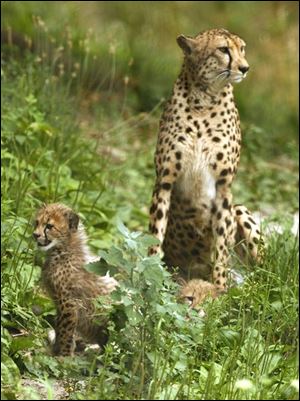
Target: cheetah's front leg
223, 224
159, 212
248, 233
66, 324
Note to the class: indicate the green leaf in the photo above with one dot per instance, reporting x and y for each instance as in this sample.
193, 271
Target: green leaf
277, 305
133, 316
41, 127
20, 139
127, 301
269, 362
123, 229
152, 272
114, 256
101, 267
10, 373
148, 240
229, 336
31, 99
22, 342
181, 365
131, 244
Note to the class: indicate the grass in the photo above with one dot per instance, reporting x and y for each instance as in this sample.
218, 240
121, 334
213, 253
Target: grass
80, 127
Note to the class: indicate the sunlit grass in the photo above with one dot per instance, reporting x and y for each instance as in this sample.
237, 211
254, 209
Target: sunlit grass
121, 39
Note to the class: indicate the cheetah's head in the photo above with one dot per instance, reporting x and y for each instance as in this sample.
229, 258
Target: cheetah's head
54, 225
215, 57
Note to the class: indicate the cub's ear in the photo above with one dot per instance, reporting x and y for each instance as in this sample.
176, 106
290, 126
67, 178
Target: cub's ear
186, 43
73, 219
181, 281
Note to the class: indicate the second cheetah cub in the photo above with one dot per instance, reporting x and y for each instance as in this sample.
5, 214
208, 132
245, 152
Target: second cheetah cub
196, 291
73, 289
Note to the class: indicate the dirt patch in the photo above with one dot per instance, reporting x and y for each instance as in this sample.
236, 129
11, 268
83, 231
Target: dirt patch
44, 390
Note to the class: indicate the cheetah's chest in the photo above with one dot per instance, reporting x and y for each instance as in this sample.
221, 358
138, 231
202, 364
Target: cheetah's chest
197, 180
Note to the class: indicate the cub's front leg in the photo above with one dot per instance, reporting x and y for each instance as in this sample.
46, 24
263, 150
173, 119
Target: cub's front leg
66, 324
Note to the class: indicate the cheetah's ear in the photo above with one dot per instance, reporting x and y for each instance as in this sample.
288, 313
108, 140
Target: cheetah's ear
73, 220
186, 43
181, 281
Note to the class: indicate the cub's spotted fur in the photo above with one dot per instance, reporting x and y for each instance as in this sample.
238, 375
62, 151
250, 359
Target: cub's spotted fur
198, 150
195, 291
73, 289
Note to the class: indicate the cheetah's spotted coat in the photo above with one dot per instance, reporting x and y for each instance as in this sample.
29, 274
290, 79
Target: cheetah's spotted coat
73, 289
198, 150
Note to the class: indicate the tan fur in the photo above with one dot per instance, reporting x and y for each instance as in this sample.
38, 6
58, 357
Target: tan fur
73, 289
196, 291
198, 150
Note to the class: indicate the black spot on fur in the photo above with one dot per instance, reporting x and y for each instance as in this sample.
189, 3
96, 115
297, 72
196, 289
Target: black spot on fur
225, 204
191, 210
228, 222
159, 214
153, 208
214, 209
221, 181
221, 231
166, 186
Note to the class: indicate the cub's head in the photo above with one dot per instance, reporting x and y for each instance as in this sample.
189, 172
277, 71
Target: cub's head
54, 225
215, 57
195, 291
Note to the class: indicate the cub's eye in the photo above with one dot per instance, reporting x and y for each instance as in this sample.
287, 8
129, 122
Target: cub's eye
49, 226
224, 49
191, 299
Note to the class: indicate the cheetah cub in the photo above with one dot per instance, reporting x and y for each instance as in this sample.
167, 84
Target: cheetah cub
197, 154
196, 291
73, 289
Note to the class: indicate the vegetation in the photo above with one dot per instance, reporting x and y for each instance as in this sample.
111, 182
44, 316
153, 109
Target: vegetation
82, 91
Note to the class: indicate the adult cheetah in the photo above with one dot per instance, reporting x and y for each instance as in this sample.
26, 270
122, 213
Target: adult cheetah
196, 160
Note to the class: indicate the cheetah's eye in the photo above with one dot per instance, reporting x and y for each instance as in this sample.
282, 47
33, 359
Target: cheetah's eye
224, 50
191, 299
243, 49
49, 226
